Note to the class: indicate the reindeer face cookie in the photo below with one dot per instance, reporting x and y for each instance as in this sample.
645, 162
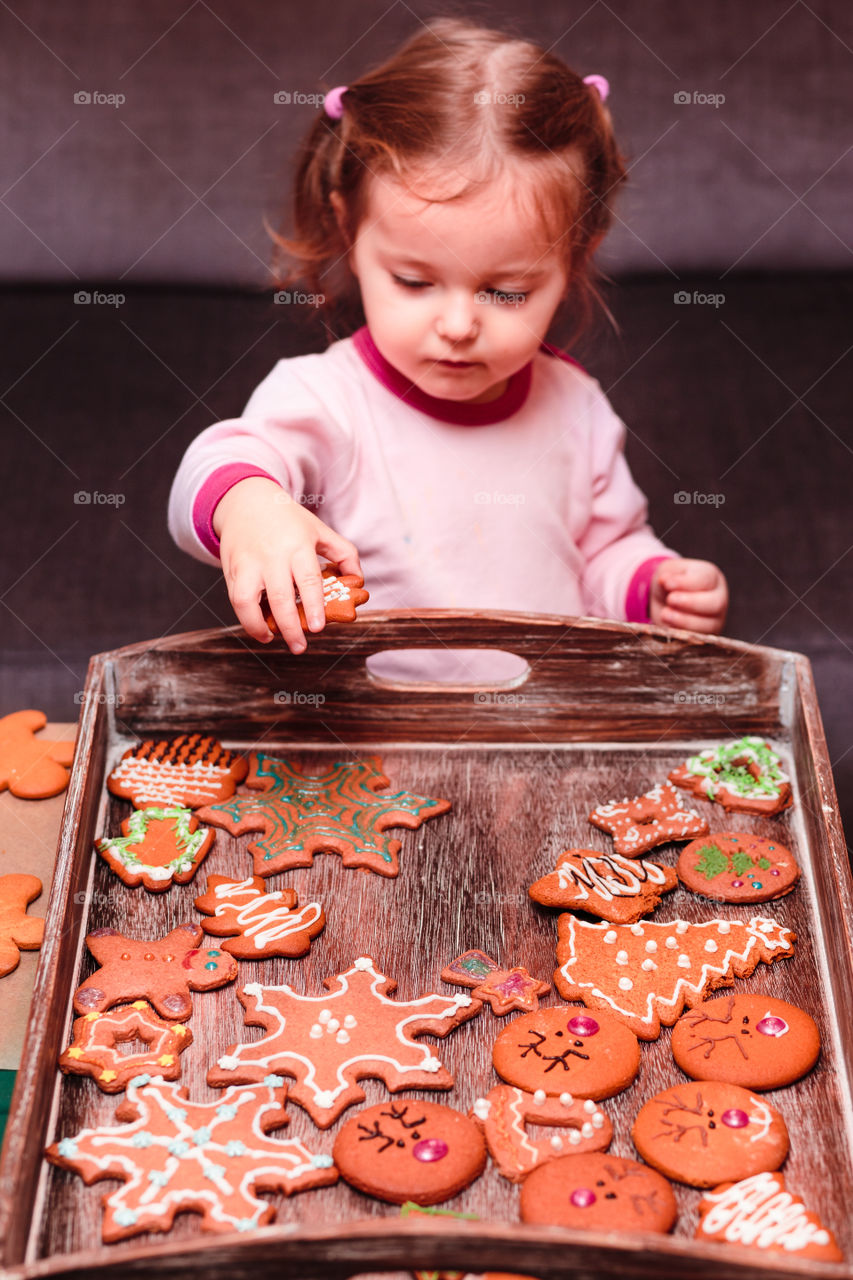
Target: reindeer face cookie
418, 1151
710, 1132
750, 1040
599, 1192
568, 1050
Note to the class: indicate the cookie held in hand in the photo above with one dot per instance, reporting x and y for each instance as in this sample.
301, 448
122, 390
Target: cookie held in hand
342, 595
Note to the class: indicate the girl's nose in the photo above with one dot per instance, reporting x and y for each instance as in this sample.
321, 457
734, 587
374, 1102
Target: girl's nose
457, 318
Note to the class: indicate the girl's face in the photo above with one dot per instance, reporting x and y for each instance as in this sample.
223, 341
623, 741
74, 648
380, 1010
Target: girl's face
457, 296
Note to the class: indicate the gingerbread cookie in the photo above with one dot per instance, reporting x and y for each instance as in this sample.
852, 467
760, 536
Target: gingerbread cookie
505, 1112
93, 1051
504, 990
743, 776
607, 885
338, 811
760, 1213
738, 867
650, 819
327, 1043
258, 924
18, 931
32, 768
418, 1151
750, 1040
342, 595
567, 1050
710, 1132
600, 1193
646, 973
157, 847
162, 971
175, 1155
189, 771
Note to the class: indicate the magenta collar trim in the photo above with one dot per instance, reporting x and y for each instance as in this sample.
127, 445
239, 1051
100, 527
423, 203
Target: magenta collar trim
458, 412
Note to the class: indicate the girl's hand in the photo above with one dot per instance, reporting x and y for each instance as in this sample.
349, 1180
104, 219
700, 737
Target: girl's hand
269, 543
691, 594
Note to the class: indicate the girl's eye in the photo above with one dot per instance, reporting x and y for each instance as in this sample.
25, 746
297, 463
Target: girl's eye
410, 284
508, 295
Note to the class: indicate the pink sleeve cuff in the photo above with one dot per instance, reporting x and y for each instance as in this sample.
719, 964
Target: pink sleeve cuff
210, 494
639, 588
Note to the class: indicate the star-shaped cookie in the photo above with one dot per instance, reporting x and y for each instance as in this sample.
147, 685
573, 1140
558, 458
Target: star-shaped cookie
298, 815
327, 1043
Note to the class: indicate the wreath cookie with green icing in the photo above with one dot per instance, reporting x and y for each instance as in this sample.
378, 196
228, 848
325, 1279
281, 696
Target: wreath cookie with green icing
738, 867
157, 847
743, 776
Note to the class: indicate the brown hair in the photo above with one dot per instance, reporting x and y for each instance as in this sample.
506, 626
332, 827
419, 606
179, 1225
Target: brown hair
424, 109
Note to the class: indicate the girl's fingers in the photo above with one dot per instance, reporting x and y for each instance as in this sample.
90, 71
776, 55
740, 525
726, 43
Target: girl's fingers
707, 603
339, 551
309, 582
689, 575
245, 594
283, 608
692, 621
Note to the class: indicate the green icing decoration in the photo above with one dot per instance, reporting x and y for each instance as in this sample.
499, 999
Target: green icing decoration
188, 842
742, 863
716, 765
712, 863
764, 863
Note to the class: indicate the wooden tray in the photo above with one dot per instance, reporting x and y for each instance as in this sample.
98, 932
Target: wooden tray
606, 710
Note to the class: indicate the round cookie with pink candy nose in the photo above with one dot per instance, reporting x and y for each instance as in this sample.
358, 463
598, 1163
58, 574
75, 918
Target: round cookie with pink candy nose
568, 1049
747, 1039
600, 1192
420, 1151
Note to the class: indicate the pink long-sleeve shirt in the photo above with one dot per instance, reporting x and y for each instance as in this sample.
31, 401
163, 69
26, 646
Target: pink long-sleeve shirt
524, 503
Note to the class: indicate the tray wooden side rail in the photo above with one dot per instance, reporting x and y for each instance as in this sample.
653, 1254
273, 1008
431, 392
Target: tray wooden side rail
603, 703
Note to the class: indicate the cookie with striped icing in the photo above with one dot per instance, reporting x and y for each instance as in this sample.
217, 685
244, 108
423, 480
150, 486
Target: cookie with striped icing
190, 770
761, 1213
607, 885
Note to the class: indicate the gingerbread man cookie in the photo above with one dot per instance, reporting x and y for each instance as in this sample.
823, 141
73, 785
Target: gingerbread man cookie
746, 1039
162, 971
157, 847
646, 973
298, 815
599, 1193
734, 866
505, 990
32, 768
710, 1132
342, 595
745, 776
401, 1151
189, 770
258, 924
505, 1113
93, 1050
760, 1213
18, 931
175, 1155
607, 885
567, 1050
328, 1043
650, 819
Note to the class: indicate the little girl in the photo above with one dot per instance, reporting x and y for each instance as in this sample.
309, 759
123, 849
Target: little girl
445, 449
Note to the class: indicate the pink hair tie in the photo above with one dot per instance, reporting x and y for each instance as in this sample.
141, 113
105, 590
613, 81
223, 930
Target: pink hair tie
599, 83
333, 102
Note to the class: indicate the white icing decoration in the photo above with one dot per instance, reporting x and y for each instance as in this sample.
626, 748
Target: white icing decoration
621, 957
342, 1037
648, 965
350, 1022
589, 1106
683, 961
316, 1031
566, 1099
598, 1120
610, 936
539, 1097
681, 926
363, 962
651, 945
557, 1142
757, 1211
481, 1108
259, 918
324, 1015
672, 943
711, 946
625, 984
637, 930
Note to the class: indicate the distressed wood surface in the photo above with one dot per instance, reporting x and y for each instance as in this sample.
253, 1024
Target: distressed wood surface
517, 803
